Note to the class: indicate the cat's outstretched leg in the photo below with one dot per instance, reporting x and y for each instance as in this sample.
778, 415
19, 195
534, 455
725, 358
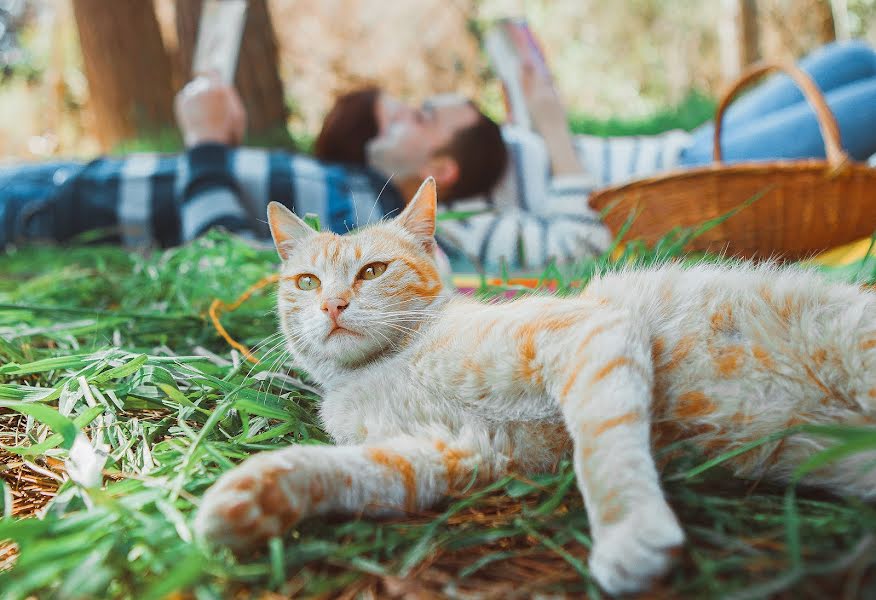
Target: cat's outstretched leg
603, 382
268, 493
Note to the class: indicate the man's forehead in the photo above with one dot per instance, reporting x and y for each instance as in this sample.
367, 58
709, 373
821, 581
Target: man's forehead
445, 100
453, 111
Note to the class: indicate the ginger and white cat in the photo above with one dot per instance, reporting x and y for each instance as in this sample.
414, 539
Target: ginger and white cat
425, 391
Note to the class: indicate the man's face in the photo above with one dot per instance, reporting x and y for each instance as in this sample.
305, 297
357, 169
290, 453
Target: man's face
409, 137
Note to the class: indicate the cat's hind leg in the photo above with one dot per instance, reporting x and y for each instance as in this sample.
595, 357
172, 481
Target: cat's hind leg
269, 492
603, 382
851, 475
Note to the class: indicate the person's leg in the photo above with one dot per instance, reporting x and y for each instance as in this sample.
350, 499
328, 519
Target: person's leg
831, 67
793, 132
26, 194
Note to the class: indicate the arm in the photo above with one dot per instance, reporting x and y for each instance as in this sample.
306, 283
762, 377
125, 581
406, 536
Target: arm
210, 196
211, 118
549, 120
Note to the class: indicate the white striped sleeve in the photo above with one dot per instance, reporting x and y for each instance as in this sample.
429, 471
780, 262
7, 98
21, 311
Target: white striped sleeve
616, 160
527, 240
135, 199
209, 208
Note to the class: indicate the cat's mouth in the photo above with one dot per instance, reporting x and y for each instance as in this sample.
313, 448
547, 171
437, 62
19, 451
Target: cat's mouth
337, 329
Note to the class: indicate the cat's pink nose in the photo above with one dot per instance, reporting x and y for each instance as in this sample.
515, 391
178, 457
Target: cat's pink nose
334, 307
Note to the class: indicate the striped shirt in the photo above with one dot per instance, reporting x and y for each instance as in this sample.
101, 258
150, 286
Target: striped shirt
531, 217
144, 200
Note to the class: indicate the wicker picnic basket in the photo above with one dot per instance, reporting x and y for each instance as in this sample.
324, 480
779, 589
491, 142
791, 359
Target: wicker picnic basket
802, 206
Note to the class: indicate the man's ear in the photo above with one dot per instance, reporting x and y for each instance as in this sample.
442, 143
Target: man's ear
418, 217
444, 169
286, 229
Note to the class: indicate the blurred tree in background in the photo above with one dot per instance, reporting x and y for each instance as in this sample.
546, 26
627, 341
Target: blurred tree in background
128, 70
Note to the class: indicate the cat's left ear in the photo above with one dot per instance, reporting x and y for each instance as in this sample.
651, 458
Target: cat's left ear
287, 229
418, 217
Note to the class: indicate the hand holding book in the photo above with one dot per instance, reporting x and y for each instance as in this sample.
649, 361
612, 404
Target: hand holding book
208, 109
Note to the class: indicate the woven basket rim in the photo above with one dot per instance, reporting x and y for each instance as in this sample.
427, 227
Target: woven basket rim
680, 174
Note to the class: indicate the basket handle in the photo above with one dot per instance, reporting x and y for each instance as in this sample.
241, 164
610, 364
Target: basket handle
826, 121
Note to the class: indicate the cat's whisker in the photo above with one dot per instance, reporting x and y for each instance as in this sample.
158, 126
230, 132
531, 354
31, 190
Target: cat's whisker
409, 333
272, 343
371, 334
393, 305
377, 199
408, 300
275, 344
394, 327
274, 370
399, 326
408, 313
355, 211
401, 309
412, 319
268, 340
271, 366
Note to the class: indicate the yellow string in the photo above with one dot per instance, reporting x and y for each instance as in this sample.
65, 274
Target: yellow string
217, 307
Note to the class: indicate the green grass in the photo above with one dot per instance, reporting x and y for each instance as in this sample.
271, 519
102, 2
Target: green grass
692, 111
170, 140
117, 345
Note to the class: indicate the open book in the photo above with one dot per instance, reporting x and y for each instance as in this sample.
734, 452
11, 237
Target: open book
509, 44
219, 34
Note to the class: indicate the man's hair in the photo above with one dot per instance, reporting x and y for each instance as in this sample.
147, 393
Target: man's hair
478, 149
481, 155
349, 125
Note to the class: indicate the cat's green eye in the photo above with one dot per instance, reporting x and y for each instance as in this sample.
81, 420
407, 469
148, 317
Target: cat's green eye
370, 271
307, 282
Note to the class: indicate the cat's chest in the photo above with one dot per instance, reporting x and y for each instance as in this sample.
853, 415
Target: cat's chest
388, 399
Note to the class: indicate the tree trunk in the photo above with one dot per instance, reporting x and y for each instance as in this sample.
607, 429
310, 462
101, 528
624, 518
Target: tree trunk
258, 78
749, 33
128, 71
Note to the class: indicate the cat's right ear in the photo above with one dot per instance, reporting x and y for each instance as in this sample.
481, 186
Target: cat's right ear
287, 229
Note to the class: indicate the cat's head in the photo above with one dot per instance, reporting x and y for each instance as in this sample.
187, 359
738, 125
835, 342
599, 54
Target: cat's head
347, 299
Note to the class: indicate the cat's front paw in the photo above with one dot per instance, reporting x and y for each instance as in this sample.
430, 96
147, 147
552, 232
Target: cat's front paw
627, 556
248, 505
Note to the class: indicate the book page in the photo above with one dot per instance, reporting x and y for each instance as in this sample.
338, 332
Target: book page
219, 34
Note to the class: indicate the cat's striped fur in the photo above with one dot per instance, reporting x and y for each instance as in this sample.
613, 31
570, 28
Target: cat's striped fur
431, 390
